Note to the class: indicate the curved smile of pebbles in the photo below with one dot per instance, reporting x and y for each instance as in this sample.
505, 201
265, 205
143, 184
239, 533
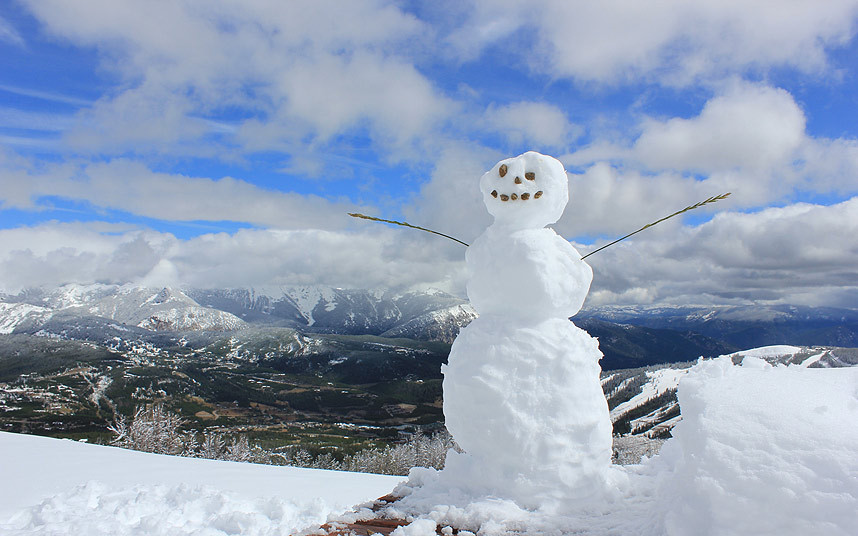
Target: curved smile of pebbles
513, 197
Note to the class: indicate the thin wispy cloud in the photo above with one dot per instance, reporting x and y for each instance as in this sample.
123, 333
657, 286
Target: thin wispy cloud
46, 95
8, 34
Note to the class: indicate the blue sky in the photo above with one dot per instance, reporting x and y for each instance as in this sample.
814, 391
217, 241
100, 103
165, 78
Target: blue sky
222, 143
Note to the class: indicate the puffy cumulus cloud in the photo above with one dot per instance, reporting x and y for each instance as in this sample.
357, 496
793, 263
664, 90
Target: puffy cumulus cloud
800, 254
130, 186
329, 94
365, 259
750, 140
607, 201
309, 68
54, 254
450, 202
828, 165
536, 124
749, 127
673, 41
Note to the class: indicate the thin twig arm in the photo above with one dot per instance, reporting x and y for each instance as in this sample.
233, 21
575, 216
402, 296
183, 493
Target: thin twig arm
712, 199
404, 224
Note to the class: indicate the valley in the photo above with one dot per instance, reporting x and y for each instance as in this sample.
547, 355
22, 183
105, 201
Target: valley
319, 369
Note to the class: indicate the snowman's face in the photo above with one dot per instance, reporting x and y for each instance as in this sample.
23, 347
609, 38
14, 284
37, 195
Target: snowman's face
528, 191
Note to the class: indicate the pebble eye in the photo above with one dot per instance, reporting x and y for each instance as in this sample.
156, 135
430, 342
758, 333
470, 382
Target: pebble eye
502, 170
531, 176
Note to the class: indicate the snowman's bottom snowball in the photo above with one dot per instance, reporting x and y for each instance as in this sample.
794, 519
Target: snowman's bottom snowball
526, 405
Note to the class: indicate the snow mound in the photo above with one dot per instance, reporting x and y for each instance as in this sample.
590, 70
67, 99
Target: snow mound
761, 449
778, 350
53, 486
95, 508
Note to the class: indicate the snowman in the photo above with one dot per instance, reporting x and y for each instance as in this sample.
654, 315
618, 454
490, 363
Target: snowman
522, 394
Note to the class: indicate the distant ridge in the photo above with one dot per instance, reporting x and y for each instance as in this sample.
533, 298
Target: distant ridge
629, 336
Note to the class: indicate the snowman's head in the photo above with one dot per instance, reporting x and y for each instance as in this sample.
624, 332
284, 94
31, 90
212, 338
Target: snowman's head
526, 192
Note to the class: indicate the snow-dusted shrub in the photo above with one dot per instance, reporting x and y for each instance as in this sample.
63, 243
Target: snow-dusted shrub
158, 430
630, 449
419, 450
154, 429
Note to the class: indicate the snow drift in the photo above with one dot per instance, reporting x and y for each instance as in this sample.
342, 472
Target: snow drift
761, 449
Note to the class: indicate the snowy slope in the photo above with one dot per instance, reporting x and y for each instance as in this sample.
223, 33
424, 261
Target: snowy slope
13, 315
148, 308
52, 486
643, 401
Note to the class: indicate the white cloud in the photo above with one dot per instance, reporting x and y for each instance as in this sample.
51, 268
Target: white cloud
9, 34
295, 70
53, 254
450, 202
45, 95
673, 41
748, 127
801, 254
334, 93
535, 124
130, 186
605, 201
749, 140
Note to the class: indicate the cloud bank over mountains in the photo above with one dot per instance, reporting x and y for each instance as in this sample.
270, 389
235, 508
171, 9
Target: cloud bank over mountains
219, 144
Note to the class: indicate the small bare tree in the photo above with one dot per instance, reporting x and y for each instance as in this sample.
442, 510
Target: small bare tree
154, 429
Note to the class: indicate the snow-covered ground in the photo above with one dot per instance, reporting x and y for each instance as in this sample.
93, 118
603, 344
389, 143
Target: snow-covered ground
761, 450
59, 487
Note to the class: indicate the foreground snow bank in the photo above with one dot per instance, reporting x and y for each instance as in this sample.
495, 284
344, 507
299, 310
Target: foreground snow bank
52, 486
763, 450
760, 450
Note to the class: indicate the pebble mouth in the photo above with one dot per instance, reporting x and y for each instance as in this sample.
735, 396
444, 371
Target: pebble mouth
514, 197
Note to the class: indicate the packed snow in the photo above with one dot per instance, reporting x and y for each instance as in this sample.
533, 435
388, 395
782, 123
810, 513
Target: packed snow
522, 394
761, 449
60, 487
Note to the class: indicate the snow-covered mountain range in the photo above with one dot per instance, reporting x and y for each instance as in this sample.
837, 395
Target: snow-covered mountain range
428, 315
629, 337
